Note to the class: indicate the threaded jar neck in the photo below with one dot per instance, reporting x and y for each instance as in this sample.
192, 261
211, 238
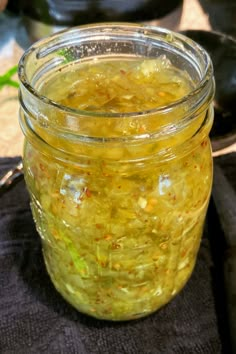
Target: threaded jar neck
49, 57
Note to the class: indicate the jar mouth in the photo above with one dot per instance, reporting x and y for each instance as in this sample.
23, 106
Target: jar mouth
177, 41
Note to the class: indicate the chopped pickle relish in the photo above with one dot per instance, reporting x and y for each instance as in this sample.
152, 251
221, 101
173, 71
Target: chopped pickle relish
119, 240
118, 86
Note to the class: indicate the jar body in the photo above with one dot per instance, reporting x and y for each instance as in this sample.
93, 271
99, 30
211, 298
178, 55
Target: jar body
120, 216
119, 245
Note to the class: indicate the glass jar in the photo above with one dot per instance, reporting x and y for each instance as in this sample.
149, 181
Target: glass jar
119, 199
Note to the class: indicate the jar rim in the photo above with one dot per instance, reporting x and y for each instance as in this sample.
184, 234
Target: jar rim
147, 31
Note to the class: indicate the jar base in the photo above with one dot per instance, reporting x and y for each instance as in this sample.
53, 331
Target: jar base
108, 314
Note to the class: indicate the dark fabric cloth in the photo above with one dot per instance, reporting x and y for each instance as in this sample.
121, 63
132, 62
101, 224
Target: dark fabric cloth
35, 319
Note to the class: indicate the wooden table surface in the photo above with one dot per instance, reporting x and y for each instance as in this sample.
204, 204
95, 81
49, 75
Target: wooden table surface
13, 41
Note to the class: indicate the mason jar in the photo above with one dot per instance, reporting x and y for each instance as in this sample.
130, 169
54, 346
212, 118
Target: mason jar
117, 161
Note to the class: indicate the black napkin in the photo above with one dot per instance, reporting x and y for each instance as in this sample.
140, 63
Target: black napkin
34, 318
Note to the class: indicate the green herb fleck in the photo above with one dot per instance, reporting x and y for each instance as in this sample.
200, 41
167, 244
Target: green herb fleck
68, 54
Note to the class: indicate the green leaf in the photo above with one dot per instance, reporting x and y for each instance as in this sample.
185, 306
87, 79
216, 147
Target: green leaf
13, 83
6, 79
12, 71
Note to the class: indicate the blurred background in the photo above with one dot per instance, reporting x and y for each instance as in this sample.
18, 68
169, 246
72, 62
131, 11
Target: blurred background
49, 15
